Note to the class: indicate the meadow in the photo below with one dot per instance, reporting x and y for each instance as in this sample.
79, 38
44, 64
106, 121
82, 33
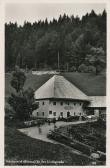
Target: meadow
21, 149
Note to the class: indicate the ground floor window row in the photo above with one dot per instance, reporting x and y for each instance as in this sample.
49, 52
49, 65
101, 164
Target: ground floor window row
61, 113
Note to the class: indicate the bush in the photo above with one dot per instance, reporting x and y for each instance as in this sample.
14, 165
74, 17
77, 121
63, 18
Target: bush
72, 69
9, 113
20, 105
65, 140
102, 158
73, 118
91, 68
62, 119
100, 123
9, 117
83, 118
83, 68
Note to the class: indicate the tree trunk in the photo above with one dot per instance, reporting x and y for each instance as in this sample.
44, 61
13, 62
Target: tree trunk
97, 69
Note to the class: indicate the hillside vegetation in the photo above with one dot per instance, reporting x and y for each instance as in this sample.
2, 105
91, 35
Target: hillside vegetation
91, 84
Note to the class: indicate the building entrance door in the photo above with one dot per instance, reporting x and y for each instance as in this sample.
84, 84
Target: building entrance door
96, 112
68, 114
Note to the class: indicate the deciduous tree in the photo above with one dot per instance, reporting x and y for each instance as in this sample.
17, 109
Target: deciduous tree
97, 58
18, 79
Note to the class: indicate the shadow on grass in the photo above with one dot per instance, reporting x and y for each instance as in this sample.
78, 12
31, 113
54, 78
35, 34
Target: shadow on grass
23, 150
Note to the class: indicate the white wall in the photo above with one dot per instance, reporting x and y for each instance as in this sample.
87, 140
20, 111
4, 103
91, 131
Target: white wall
74, 109
42, 108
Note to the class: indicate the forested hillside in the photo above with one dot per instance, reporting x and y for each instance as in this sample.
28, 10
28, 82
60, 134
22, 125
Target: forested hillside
80, 43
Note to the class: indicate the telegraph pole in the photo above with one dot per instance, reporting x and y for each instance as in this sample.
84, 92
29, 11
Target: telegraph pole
67, 66
58, 62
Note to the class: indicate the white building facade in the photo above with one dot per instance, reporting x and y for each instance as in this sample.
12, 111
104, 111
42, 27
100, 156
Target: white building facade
59, 98
55, 108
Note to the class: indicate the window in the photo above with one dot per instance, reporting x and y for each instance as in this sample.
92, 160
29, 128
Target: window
50, 112
74, 104
43, 113
80, 114
61, 103
43, 103
54, 113
37, 113
67, 103
61, 113
74, 113
80, 104
54, 103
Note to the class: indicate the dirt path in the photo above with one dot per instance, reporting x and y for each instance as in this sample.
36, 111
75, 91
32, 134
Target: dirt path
41, 132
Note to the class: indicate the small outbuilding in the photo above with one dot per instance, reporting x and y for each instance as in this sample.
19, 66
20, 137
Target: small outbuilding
97, 106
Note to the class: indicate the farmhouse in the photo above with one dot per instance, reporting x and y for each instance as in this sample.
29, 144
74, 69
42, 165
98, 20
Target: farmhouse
60, 98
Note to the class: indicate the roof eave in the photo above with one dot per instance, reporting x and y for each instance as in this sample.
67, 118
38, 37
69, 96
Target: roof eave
63, 99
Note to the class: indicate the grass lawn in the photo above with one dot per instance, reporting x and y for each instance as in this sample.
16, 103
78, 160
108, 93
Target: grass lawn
89, 83
19, 147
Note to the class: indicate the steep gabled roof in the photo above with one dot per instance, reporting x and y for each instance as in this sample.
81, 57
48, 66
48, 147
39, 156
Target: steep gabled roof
59, 87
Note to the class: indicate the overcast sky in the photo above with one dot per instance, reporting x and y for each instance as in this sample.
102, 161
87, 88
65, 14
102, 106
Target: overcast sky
35, 12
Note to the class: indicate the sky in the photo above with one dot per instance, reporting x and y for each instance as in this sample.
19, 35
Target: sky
34, 12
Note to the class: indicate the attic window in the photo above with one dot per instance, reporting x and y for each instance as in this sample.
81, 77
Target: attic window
61, 103
67, 103
54, 103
